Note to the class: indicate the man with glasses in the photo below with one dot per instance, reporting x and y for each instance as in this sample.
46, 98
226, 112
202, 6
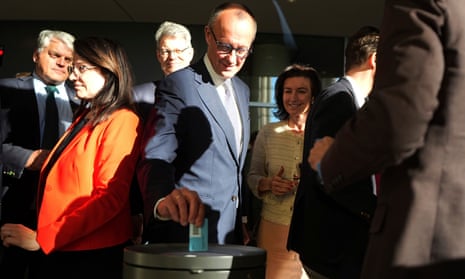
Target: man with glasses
194, 160
174, 52
25, 148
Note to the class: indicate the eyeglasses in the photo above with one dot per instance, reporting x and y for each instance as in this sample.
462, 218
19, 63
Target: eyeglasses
168, 52
80, 69
225, 48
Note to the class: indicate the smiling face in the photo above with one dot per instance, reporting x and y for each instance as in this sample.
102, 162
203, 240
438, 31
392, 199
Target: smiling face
88, 79
52, 62
173, 54
297, 95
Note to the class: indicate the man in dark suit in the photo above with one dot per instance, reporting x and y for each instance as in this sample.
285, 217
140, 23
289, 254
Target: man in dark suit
23, 152
319, 219
174, 51
413, 129
195, 159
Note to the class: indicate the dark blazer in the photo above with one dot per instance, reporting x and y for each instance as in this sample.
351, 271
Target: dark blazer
413, 128
4, 130
194, 147
144, 98
330, 232
18, 98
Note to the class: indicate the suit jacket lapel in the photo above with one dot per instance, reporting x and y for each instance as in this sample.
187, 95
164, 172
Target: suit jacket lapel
347, 84
212, 101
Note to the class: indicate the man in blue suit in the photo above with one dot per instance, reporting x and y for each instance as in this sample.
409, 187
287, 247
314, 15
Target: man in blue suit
194, 160
24, 151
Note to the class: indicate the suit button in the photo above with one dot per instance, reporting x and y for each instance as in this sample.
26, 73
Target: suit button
234, 198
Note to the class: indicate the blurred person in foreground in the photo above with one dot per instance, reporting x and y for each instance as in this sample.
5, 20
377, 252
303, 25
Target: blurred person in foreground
412, 129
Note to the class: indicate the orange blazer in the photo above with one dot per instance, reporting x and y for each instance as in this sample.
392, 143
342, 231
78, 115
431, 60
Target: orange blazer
85, 202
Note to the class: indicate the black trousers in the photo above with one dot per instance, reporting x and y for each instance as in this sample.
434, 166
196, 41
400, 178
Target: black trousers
17, 263
89, 264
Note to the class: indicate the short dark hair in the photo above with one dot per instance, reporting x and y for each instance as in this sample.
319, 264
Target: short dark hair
295, 70
360, 46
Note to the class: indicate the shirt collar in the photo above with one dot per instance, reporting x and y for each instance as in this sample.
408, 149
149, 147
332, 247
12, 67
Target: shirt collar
216, 78
39, 85
359, 97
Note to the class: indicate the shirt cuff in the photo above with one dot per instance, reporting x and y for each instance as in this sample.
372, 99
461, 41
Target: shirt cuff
318, 170
155, 212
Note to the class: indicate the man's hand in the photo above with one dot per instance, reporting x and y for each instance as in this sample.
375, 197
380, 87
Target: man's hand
183, 206
319, 150
37, 159
19, 235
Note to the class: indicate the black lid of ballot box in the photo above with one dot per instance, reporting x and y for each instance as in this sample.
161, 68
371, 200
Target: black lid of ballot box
152, 259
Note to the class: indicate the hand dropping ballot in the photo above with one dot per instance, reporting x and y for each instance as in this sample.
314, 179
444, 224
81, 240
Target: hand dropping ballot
198, 237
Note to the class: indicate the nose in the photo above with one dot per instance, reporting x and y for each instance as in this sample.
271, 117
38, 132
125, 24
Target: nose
72, 75
294, 95
232, 57
62, 61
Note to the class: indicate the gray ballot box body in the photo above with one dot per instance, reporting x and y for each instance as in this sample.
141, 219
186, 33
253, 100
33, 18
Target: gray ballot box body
174, 261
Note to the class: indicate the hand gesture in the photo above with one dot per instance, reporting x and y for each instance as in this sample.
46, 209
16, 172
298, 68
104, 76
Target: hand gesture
279, 185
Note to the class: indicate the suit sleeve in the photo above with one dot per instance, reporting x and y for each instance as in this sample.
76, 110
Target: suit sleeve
14, 157
393, 124
156, 176
331, 114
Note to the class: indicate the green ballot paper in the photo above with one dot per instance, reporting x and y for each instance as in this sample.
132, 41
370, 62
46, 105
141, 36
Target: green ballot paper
198, 237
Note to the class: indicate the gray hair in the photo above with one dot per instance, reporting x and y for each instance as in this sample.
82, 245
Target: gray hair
169, 28
45, 36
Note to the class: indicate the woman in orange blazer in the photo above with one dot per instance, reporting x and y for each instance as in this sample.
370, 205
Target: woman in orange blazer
84, 218
83, 197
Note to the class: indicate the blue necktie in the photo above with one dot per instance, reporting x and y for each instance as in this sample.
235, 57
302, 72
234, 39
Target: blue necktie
50, 136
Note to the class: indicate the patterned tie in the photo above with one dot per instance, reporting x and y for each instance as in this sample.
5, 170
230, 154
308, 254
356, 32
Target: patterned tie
50, 136
230, 105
